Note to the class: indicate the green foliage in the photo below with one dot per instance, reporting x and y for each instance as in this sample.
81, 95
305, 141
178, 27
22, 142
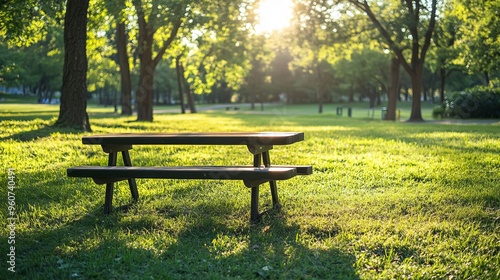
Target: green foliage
438, 112
476, 102
24, 22
385, 201
216, 44
365, 72
480, 34
37, 66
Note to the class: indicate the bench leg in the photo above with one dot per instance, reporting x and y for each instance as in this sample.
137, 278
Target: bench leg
254, 207
274, 187
131, 182
108, 200
254, 203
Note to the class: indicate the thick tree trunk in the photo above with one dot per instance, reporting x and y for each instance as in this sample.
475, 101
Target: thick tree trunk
72, 112
416, 104
144, 94
145, 90
126, 85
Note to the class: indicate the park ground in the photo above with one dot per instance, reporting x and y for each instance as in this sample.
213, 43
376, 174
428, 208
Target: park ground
387, 200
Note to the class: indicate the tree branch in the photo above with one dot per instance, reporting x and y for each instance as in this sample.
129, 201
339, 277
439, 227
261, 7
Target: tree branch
430, 29
365, 7
168, 42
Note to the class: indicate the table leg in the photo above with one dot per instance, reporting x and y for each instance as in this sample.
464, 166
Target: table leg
131, 182
274, 187
108, 200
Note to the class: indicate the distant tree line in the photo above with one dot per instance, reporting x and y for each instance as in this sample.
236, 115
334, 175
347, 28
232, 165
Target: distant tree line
144, 52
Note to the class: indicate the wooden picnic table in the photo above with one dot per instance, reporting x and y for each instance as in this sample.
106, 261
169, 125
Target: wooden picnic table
258, 144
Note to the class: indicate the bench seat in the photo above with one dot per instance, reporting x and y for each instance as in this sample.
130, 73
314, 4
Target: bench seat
251, 175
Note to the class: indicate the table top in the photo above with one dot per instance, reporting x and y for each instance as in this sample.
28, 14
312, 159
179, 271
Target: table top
202, 138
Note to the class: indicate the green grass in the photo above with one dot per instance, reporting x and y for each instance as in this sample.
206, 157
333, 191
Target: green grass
359, 109
16, 99
387, 200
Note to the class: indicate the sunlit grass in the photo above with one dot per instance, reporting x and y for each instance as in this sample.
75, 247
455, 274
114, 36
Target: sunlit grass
386, 200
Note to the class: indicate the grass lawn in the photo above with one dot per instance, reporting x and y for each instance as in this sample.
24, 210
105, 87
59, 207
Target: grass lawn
387, 200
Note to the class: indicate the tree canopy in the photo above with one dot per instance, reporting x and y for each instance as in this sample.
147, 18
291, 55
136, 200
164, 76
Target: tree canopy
333, 51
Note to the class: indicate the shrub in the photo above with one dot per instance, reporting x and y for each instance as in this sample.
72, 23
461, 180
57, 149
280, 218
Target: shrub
438, 112
476, 102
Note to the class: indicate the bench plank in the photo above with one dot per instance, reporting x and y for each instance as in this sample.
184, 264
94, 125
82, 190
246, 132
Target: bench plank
184, 172
301, 169
223, 138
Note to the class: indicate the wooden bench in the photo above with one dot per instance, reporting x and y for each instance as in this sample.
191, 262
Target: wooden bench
253, 176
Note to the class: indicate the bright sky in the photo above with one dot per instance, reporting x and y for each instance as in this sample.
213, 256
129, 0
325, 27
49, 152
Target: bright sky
274, 15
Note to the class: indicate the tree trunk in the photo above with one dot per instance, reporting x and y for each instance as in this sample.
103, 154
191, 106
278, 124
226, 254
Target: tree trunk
351, 93
442, 76
179, 83
416, 85
126, 85
393, 90
189, 94
319, 88
371, 97
192, 105
145, 90
144, 93
72, 112
252, 96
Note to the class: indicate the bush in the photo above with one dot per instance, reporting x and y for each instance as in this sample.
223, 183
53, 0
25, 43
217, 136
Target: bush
477, 102
438, 112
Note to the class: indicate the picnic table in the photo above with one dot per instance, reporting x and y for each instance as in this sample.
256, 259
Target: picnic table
258, 144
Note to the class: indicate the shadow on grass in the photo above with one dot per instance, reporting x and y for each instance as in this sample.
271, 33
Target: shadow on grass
193, 242
204, 240
39, 133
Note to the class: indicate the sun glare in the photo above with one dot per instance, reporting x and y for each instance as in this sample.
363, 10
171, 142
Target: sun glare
273, 15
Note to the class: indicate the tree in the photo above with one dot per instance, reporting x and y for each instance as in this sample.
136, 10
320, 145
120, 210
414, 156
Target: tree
102, 76
25, 22
216, 51
120, 15
281, 76
411, 21
442, 59
480, 35
256, 78
152, 16
365, 71
313, 39
37, 67
72, 112
126, 84
419, 22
